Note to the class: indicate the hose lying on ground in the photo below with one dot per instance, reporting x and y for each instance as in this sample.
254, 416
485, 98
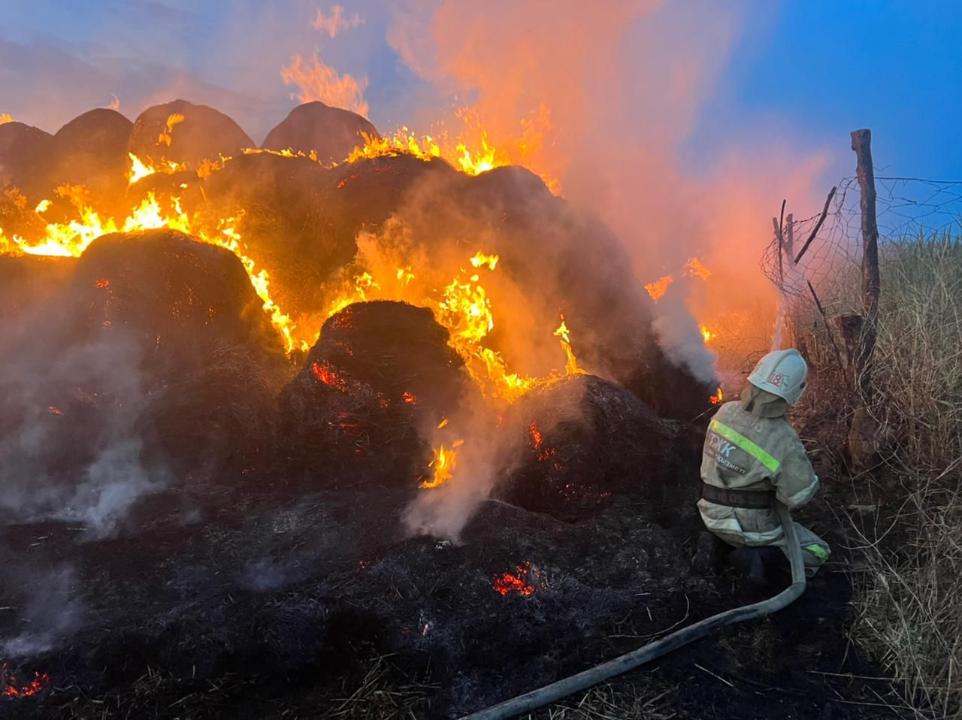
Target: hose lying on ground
607, 670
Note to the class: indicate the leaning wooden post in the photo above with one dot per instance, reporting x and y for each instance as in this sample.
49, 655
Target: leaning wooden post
863, 437
788, 248
862, 145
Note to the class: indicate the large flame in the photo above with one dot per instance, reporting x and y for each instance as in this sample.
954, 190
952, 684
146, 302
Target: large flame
469, 159
72, 238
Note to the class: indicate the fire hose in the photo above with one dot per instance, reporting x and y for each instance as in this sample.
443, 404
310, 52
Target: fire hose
605, 671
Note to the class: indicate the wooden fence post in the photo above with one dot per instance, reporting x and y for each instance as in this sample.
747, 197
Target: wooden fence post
863, 438
862, 145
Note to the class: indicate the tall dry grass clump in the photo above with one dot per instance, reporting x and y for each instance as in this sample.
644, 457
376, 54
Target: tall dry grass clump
911, 594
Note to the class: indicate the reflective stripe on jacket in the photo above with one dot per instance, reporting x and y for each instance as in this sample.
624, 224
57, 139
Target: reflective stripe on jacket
746, 452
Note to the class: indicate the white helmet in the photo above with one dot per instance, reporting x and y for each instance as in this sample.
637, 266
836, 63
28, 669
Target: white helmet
782, 373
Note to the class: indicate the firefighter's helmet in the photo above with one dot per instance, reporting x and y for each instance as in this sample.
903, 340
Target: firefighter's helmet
783, 373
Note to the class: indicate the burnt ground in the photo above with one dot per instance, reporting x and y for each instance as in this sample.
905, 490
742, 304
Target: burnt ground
248, 597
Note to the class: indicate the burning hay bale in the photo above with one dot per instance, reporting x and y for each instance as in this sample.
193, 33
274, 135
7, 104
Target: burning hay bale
328, 132
186, 134
581, 440
284, 213
380, 373
25, 152
555, 255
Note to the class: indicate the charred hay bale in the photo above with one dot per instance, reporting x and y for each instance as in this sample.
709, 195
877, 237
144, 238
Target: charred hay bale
283, 213
91, 150
581, 440
223, 414
178, 298
25, 154
185, 133
331, 133
380, 372
156, 347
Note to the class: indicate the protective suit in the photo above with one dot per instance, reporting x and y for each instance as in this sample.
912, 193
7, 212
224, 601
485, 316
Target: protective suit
752, 457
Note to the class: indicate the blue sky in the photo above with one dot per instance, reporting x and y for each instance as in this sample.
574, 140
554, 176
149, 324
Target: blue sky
814, 70
895, 67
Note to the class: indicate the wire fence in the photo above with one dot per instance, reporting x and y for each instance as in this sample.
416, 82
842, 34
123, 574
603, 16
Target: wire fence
825, 282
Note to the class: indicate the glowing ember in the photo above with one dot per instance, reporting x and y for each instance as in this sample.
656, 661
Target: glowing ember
443, 424
718, 397
409, 398
323, 373
537, 439
444, 462
12, 687
517, 581
54, 410
659, 287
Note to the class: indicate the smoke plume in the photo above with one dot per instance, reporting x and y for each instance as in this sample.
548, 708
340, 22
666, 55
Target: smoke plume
67, 406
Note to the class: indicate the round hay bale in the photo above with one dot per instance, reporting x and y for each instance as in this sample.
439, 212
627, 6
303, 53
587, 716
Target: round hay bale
276, 197
178, 298
185, 133
581, 440
223, 414
380, 373
25, 154
331, 133
91, 150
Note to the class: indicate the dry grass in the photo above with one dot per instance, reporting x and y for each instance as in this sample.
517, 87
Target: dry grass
909, 600
612, 702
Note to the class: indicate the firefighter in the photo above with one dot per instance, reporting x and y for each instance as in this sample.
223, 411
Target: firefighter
752, 458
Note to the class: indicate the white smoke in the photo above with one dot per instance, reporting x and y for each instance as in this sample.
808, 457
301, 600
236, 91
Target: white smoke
48, 604
679, 335
46, 385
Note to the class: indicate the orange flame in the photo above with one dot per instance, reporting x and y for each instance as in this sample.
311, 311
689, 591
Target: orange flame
718, 397
5, 118
165, 137
659, 287
72, 238
696, 268
444, 462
